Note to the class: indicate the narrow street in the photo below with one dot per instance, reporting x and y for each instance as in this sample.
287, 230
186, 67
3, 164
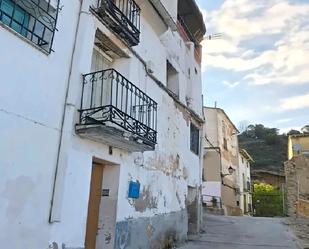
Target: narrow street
224, 232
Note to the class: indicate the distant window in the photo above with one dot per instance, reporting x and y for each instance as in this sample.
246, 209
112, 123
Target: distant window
248, 185
223, 129
194, 139
242, 159
225, 143
172, 79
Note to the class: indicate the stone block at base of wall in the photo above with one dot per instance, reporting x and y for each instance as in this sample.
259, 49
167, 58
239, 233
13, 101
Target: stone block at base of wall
233, 211
303, 208
157, 232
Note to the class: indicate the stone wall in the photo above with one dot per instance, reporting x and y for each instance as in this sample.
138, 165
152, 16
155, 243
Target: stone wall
297, 182
233, 211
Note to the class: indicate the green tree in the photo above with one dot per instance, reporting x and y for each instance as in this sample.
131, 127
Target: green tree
267, 200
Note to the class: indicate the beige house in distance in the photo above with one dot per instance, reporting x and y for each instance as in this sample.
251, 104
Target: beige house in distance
298, 144
221, 160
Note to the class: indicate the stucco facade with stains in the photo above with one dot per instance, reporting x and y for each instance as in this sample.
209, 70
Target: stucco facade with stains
50, 163
220, 153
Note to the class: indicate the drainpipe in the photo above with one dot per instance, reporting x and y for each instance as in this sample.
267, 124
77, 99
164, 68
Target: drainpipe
57, 193
200, 197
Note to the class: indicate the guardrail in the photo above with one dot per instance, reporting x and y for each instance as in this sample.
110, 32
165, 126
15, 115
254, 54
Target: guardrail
107, 96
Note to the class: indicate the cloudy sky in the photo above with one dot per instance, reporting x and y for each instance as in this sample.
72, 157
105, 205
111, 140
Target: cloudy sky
259, 70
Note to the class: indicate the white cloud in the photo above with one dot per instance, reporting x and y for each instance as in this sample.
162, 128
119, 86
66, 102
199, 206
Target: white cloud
231, 84
294, 103
284, 120
287, 129
285, 61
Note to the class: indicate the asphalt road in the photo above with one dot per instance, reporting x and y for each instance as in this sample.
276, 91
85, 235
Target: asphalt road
224, 232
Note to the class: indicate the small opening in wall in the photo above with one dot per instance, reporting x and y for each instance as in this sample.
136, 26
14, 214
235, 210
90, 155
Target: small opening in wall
172, 78
110, 150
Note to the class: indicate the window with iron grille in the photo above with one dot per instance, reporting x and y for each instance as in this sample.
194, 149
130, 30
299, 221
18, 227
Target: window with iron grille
33, 19
194, 139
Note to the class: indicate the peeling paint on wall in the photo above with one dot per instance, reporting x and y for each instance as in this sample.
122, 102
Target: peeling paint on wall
150, 230
157, 232
145, 201
169, 165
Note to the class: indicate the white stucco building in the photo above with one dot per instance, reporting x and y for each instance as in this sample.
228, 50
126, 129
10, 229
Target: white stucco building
100, 123
244, 181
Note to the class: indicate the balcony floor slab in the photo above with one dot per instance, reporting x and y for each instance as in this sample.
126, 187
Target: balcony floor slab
113, 137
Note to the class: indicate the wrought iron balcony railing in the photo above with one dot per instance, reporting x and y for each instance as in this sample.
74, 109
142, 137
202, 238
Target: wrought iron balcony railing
123, 17
109, 99
34, 19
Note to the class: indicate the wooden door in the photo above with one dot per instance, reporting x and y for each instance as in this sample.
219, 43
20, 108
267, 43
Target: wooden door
94, 206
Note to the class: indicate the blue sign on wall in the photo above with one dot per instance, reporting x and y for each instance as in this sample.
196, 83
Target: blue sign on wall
134, 188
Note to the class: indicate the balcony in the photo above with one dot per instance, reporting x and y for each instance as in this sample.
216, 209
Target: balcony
116, 112
191, 25
187, 36
122, 17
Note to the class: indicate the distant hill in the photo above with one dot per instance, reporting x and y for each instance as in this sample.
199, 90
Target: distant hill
268, 149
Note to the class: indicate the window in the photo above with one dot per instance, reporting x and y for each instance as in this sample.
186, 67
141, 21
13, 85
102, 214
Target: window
225, 143
223, 129
194, 139
248, 185
172, 79
14, 17
35, 20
